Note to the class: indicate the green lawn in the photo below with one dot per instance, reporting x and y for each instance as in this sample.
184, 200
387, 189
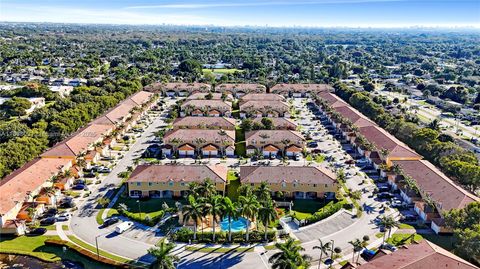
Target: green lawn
445, 241
303, 209
99, 216
94, 250
399, 239
405, 226
151, 207
240, 145
221, 70
35, 246
52, 227
233, 185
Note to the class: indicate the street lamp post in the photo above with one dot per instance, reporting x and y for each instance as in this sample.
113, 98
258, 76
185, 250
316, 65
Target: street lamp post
96, 245
139, 209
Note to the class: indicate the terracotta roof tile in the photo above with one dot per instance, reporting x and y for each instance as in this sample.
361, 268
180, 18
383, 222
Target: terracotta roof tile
177, 173
16, 186
289, 174
141, 97
204, 123
279, 123
300, 88
432, 181
418, 256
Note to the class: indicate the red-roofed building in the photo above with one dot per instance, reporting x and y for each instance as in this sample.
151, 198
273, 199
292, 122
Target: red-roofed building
239, 90
300, 90
161, 181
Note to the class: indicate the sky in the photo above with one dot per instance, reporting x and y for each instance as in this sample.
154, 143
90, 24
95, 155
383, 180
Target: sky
275, 13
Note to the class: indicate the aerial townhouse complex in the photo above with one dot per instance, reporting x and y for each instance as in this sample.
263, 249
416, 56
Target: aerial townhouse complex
33, 187
433, 193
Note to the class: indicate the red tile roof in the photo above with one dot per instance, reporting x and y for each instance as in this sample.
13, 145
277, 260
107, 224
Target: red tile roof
141, 97
300, 88
178, 173
204, 123
179, 86
186, 147
240, 87
288, 174
209, 136
211, 104
419, 256
441, 189
16, 186
262, 97
354, 116
202, 96
265, 106
274, 136
381, 139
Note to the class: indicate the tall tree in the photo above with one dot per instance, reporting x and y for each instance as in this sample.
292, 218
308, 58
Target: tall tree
249, 208
193, 211
289, 256
162, 253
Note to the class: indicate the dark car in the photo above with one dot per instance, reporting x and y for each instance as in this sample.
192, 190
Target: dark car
66, 204
385, 195
48, 221
89, 175
78, 187
109, 222
79, 181
312, 144
367, 254
409, 217
38, 231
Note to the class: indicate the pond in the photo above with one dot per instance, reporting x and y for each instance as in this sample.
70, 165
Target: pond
237, 225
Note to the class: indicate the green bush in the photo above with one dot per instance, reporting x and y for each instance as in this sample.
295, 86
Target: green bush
185, 235
326, 211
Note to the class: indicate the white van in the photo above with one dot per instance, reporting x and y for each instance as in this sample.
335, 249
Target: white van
122, 227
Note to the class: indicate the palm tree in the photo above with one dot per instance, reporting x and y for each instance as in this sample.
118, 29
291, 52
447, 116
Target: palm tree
193, 211
214, 210
263, 193
323, 250
267, 214
231, 212
207, 188
193, 189
357, 246
245, 190
388, 222
249, 208
164, 260
289, 256
285, 143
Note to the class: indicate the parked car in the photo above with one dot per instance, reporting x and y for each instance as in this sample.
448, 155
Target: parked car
108, 158
89, 175
67, 204
104, 170
385, 195
109, 221
122, 227
409, 217
312, 144
64, 217
390, 247
296, 157
48, 221
367, 254
79, 187
37, 231
79, 182
397, 203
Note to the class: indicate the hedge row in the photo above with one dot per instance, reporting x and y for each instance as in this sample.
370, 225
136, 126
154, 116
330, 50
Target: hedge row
88, 254
326, 211
185, 235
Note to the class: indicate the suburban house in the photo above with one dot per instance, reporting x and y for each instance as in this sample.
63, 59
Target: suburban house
166, 181
299, 182
23, 189
274, 142
331, 99
210, 108
204, 142
261, 97
417, 255
433, 186
299, 90
210, 96
178, 89
239, 90
204, 123
278, 123
271, 109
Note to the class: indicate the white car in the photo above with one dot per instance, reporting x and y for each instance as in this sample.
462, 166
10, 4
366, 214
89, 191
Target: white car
122, 227
64, 217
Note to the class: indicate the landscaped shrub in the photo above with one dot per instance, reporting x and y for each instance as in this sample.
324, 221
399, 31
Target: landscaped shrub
326, 211
185, 235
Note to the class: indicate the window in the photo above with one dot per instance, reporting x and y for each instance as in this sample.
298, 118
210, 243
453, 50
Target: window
150, 183
295, 185
326, 185
182, 184
139, 183
314, 185
170, 183
284, 184
251, 184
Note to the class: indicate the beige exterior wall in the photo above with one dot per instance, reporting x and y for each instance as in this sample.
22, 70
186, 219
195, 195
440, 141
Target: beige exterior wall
175, 187
320, 189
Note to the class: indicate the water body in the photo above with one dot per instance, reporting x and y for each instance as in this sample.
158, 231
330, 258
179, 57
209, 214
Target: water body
27, 262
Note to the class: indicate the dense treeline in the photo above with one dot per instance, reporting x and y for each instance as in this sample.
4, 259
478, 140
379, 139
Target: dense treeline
21, 140
435, 147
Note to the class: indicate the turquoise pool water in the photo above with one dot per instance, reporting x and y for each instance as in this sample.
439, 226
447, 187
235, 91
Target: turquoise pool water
238, 225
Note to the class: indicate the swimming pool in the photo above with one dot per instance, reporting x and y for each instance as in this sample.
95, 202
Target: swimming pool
238, 225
